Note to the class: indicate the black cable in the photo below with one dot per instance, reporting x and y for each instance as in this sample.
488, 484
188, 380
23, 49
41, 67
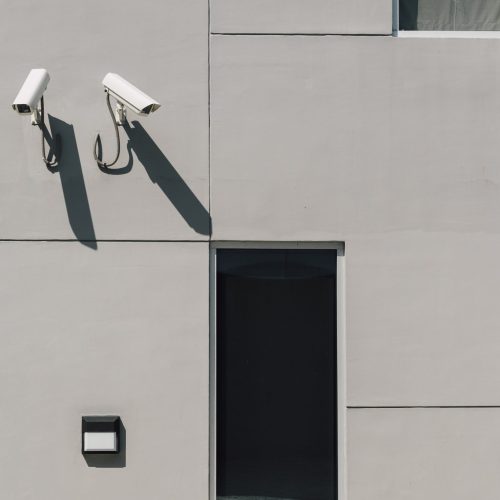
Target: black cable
103, 164
50, 164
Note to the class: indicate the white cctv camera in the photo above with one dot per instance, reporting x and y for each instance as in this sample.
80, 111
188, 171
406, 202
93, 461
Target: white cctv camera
28, 99
128, 96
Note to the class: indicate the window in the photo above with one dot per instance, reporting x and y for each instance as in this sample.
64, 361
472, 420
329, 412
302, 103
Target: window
276, 374
449, 15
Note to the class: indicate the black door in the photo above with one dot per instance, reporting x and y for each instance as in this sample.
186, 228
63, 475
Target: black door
276, 374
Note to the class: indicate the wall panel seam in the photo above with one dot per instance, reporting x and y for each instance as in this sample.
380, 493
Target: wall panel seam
405, 407
55, 240
209, 97
217, 33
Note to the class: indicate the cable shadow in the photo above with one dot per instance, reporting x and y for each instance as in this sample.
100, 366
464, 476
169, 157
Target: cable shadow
162, 173
73, 184
55, 148
114, 170
111, 461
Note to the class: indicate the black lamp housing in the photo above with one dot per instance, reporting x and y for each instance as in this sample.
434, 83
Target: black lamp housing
101, 435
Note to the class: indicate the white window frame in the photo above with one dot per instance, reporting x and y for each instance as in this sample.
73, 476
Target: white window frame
434, 34
341, 350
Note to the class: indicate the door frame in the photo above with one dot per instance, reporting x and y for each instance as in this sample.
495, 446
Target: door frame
341, 349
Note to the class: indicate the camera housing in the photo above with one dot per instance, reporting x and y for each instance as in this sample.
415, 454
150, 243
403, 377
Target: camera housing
128, 95
28, 99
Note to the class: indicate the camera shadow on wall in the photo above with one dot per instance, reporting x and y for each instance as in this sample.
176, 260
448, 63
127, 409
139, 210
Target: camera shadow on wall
162, 173
72, 182
159, 169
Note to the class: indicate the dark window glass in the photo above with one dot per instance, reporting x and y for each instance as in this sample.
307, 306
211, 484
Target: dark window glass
276, 374
449, 15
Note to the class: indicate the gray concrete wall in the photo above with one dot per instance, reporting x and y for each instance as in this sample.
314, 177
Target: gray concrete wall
390, 145
422, 453
302, 16
387, 144
121, 331
159, 46
99, 327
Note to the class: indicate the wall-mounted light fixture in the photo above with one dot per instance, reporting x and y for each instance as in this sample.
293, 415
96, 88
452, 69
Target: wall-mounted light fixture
127, 96
100, 434
29, 101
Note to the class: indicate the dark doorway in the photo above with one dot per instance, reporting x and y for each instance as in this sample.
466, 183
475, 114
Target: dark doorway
276, 424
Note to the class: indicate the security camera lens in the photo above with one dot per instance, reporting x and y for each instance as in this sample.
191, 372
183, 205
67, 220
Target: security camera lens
23, 108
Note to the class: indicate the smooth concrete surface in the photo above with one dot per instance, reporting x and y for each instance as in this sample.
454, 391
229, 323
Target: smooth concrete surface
423, 319
302, 16
390, 145
160, 190
430, 454
120, 331
323, 138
